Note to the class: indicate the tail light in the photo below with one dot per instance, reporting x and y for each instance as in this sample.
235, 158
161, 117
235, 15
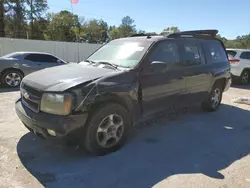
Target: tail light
234, 61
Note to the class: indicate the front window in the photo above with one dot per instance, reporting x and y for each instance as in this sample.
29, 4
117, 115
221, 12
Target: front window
121, 53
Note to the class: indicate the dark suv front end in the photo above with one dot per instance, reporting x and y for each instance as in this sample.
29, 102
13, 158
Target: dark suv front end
45, 125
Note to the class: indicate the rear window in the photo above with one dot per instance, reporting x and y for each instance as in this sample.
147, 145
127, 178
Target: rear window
231, 53
214, 51
245, 55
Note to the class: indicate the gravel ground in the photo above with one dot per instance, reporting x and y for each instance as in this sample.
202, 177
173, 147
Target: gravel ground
194, 150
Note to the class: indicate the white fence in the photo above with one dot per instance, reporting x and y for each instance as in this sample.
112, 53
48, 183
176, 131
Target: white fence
68, 51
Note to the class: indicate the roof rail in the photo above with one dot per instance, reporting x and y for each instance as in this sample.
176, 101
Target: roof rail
138, 35
148, 35
195, 33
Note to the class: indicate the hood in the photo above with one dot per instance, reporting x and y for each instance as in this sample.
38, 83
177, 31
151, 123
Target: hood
64, 77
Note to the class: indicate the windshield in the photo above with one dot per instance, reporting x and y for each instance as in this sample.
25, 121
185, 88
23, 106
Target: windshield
121, 53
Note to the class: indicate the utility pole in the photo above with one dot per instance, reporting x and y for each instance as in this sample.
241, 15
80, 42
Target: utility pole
77, 38
2, 34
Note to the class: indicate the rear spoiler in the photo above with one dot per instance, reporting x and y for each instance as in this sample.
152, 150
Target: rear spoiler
195, 33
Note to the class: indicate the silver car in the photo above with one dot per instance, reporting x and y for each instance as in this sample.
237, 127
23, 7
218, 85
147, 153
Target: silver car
14, 66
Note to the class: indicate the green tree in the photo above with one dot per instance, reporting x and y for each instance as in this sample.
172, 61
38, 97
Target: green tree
39, 28
140, 31
170, 30
15, 22
2, 18
127, 27
244, 41
114, 32
34, 12
60, 27
95, 31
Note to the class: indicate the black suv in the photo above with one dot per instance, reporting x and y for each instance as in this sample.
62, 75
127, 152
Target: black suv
97, 101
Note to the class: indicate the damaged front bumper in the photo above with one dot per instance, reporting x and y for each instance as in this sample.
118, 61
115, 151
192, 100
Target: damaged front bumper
48, 125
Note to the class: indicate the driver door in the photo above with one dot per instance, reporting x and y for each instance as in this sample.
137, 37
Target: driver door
162, 89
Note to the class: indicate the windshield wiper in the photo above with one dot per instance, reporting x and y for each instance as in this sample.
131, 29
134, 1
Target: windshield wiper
89, 61
110, 64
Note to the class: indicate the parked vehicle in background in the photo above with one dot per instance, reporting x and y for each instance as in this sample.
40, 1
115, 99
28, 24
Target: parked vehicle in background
240, 64
14, 66
96, 102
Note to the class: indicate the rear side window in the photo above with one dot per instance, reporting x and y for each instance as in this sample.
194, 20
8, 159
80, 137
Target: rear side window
214, 51
245, 55
232, 53
49, 59
33, 57
41, 58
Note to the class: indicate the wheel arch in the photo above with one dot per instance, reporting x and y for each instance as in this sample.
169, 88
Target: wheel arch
245, 69
127, 102
11, 68
222, 82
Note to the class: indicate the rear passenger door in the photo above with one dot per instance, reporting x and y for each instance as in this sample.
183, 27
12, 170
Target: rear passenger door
196, 73
33, 62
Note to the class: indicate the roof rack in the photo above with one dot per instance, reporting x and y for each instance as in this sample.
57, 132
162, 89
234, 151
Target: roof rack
138, 35
195, 33
148, 35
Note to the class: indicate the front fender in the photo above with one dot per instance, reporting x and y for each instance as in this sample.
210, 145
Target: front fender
125, 95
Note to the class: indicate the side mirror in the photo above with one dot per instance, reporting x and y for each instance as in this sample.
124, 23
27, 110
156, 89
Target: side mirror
159, 66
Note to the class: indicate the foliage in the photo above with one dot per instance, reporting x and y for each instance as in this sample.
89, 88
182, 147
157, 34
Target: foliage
34, 12
29, 19
60, 26
95, 31
170, 30
15, 20
127, 27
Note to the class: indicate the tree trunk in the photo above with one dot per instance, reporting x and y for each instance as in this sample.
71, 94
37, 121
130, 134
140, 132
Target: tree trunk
2, 34
31, 19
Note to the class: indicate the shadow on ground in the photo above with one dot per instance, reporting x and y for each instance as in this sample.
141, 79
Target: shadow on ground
6, 90
240, 86
196, 143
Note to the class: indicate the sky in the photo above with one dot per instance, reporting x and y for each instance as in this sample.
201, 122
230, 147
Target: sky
231, 18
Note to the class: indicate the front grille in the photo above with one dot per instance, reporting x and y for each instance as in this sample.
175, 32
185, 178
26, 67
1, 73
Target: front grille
32, 91
31, 97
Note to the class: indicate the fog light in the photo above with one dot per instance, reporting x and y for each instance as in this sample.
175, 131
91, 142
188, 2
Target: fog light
51, 132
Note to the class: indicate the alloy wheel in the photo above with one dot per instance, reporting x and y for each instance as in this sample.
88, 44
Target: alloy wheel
216, 97
245, 77
110, 131
13, 79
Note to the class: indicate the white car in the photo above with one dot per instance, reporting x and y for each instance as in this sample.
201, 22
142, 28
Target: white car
240, 64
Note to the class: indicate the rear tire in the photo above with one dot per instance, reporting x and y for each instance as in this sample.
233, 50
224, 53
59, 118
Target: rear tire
107, 129
12, 78
244, 77
214, 100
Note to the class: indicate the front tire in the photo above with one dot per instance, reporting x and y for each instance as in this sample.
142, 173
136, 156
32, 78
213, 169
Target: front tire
214, 100
12, 78
107, 130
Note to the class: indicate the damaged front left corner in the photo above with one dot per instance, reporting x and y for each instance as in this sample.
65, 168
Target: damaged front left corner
87, 98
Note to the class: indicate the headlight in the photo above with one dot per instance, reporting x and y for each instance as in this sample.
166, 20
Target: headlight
60, 104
